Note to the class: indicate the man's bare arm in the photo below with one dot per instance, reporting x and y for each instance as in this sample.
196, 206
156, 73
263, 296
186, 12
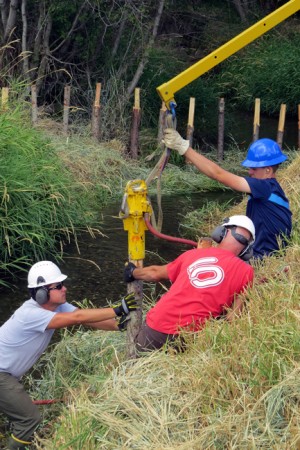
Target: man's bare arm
151, 273
214, 171
81, 317
236, 309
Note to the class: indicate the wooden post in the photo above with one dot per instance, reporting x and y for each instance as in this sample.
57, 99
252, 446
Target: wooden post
4, 98
221, 129
67, 95
190, 125
298, 127
256, 121
136, 317
96, 113
281, 125
136, 119
34, 109
161, 123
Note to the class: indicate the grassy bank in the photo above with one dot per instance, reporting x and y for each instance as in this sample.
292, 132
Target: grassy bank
236, 386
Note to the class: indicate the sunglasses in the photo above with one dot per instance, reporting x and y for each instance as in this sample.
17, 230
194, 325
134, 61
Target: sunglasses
59, 287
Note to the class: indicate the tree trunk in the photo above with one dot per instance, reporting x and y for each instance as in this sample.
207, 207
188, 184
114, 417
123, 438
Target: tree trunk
240, 9
3, 11
24, 40
11, 20
44, 60
118, 37
144, 59
38, 36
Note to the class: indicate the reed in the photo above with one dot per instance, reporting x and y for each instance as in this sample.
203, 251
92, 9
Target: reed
41, 204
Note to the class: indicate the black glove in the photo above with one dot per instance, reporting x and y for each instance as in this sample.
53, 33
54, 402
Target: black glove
127, 304
122, 322
128, 275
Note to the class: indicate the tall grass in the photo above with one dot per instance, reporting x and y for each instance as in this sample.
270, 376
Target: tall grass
41, 203
235, 387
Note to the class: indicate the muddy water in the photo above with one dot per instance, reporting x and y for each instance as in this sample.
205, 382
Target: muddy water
97, 272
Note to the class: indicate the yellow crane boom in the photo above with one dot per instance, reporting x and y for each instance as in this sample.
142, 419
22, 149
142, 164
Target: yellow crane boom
167, 90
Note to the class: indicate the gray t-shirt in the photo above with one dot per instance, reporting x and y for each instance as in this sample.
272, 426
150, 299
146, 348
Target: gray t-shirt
24, 337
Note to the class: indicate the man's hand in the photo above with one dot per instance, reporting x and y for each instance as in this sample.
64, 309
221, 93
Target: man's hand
128, 272
122, 322
173, 140
126, 305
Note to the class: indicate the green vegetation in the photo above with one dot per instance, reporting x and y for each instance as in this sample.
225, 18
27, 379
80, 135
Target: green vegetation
41, 204
260, 71
136, 44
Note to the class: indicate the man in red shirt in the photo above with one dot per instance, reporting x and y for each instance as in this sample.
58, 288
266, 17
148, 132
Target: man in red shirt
205, 283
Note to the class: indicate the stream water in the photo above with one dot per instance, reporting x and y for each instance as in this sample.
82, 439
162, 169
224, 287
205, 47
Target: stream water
97, 272
241, 129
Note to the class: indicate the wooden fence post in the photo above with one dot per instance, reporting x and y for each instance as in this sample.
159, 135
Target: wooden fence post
221, 129
136, 119
34, 109
256, 121
298, 127
281, 125
96, 113
67, 95
4, 98
136, 320
190, 125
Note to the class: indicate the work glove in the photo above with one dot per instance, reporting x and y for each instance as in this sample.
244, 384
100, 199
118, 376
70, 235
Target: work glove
173, 140
126, 305
122, 322
128, 272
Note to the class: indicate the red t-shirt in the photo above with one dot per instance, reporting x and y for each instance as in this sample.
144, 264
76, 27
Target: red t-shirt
204, 282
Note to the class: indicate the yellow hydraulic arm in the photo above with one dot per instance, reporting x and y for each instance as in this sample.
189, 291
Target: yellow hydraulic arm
168, 90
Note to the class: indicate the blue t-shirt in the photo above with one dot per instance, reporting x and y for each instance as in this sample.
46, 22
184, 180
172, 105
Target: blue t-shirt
268, 208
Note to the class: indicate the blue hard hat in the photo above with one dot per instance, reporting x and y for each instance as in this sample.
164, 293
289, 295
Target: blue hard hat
263, 153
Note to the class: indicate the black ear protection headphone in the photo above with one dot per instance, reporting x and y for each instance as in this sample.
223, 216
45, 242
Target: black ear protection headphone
41, 294
220, 232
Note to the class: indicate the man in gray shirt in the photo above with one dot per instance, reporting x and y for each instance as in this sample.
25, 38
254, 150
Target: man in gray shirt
27, 333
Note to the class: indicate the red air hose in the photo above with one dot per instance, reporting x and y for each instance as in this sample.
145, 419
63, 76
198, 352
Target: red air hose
165, 236
46, 402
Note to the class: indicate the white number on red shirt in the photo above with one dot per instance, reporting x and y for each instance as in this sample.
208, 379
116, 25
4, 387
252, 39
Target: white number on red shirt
205, 273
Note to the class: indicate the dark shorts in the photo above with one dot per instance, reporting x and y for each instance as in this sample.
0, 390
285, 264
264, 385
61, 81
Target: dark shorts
149, 339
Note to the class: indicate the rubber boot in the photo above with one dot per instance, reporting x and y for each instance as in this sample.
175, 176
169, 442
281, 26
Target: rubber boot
13, 444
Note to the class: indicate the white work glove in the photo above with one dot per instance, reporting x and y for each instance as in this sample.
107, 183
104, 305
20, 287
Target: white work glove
173, 140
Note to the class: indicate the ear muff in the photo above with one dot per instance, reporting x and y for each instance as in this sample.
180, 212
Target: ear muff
218, 234
247, 253
42, 295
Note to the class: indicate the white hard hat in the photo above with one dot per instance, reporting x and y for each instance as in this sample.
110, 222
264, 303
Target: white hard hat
43, 273
241, 221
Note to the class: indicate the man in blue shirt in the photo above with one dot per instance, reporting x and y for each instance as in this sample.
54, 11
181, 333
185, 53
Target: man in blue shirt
267, 206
